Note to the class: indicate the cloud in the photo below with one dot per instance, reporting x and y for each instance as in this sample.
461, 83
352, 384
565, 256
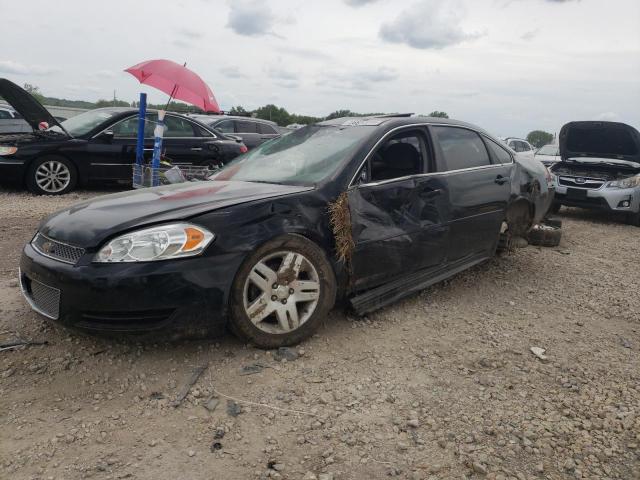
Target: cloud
358, 80
305, 53
608, 116
251, 18
232, 72
16, 68
282, 77
359, 3
189, 33
530, 35
429, 24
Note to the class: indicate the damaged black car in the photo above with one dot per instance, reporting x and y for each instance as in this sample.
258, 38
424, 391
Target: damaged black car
358, 211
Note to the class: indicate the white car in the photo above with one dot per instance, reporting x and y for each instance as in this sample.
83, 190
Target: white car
12, 122
548, 155
520, 146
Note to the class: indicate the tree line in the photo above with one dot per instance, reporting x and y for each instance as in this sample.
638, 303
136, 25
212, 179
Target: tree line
280, 115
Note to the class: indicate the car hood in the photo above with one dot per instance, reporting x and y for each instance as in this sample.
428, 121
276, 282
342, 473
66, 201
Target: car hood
89, 223
602, 140
26, 105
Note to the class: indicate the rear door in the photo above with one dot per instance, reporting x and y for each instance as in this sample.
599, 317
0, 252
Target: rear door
398, 211
248, 131
478, 190
266, 131
183, 143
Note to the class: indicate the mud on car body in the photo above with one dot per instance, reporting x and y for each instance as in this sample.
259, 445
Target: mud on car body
361, 210
599, 168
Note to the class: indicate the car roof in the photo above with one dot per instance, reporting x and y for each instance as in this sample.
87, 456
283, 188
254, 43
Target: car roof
213, 118
398, 120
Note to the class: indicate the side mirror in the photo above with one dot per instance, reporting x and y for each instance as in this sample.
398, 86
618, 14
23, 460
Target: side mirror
106, 136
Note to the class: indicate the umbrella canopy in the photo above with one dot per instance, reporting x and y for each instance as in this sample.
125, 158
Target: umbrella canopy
177, 81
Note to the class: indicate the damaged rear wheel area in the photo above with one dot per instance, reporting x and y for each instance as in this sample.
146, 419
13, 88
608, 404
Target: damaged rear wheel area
282, 292
515, 227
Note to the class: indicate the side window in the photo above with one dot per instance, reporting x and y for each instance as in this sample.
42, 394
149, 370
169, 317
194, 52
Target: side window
177, 127
461, 148
127, 128
500, 155
265, 129
5, 115
519, 146
201, 132
400, 156
526, 147
243, 126
225, 127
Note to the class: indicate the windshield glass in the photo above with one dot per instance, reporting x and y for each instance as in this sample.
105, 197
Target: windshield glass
549, 150
304, 157
85, 122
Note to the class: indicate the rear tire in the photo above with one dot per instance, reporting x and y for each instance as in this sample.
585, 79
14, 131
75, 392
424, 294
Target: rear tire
304, 293
51, 175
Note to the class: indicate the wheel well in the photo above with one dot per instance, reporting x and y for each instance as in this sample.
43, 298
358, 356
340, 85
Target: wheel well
27, 170
519, 217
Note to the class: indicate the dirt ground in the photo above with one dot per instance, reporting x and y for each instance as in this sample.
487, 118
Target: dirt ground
440, 385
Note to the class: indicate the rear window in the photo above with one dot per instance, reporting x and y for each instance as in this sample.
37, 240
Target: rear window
461, 148
601, 141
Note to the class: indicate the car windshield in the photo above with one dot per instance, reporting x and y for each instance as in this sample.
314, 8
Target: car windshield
304, 157
549, 150
85, 122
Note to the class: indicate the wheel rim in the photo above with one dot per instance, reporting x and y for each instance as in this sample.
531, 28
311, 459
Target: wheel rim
53, 176
281, 292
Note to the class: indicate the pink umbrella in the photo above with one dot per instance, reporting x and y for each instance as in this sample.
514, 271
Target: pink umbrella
177, 81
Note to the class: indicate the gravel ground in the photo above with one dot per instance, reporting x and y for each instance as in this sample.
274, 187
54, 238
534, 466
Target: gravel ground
440, 385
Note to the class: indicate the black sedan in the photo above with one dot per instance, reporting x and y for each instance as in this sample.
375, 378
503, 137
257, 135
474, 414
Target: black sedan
361, 210
98, 146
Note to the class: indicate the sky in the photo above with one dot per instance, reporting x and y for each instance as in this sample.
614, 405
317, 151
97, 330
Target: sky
509, 66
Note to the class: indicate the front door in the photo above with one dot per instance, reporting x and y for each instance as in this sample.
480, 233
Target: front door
398, 212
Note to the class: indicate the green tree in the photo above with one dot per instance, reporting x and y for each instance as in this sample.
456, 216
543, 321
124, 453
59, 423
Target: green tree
275, 114
34, 91
438, 114
111, 103
239, 110
539, 138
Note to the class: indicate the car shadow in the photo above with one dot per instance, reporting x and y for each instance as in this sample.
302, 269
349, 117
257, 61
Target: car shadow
596, 216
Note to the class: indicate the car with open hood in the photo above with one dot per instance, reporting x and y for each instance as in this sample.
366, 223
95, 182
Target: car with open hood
364, 211
599, 168
97, 147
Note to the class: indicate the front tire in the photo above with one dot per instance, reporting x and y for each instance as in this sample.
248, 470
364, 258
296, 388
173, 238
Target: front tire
51, 175
282, 292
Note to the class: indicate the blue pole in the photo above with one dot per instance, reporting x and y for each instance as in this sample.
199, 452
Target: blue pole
137, 171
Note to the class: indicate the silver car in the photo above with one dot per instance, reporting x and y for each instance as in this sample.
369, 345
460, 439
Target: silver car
252, 131
12, 122
599, 168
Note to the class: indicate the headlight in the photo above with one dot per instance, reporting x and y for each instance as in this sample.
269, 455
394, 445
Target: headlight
629, 182
177, 240
8, 150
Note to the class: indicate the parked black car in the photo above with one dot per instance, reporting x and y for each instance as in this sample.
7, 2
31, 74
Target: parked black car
98, 146
364, 210
252, 131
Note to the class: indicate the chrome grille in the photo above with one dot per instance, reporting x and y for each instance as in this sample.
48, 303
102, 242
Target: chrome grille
56, 250
42, 298
581, 182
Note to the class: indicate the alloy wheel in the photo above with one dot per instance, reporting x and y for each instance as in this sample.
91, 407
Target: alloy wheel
281, 292
52, 176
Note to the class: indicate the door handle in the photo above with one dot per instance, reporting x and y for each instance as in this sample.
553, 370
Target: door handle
500, 180
196, 149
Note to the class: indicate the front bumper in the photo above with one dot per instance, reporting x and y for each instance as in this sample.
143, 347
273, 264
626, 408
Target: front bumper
11, 170
608, 199
186, 295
